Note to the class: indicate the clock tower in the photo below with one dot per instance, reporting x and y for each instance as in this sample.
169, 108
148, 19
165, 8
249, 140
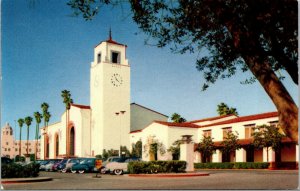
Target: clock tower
110, 97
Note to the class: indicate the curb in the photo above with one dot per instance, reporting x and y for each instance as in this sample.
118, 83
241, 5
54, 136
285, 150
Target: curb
169, 175
24, 180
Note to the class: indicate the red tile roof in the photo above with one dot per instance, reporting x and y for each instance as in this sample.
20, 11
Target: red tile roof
211, 118
136, 131
171, 124
245, 118
81, 106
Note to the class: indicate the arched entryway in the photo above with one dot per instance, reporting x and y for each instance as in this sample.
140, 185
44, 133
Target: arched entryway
72, 141
56, 147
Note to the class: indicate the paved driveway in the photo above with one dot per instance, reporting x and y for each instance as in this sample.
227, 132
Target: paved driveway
218, 179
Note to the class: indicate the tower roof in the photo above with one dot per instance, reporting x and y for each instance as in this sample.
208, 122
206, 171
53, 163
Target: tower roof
111, 41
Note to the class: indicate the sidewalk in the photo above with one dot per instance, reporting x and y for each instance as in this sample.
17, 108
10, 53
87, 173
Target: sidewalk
170, 175
22, 180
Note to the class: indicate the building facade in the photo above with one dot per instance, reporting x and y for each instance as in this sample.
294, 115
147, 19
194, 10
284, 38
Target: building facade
166, 133
86, 131
11, 147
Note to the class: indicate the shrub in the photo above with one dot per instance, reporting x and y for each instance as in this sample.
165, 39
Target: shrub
137, 167
14, 170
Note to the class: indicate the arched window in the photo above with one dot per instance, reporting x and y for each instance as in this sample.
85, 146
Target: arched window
72, 141
56, 145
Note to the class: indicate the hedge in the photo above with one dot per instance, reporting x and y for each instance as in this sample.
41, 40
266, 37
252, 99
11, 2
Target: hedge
14, 170
232, 165
139, 167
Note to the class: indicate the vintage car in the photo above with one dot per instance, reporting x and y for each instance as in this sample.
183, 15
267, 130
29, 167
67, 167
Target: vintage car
118, 167
87, 165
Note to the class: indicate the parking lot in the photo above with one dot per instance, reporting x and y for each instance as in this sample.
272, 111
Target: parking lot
218, 179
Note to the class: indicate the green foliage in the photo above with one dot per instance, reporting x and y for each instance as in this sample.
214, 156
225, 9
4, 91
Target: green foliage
46, 113
67, 100
175, 149
232, 165
124, 149
109, 153
223, 109
176, 118
137, 149
19, 159
14, 170
206, 147
139, 167
267, 136
230, 143
98, 157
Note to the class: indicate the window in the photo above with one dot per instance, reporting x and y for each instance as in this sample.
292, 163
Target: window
8, 149
16, 149
99, 58
5, 149
6, 132
249, 129
207, 133
225, 131
29, 150
10, 132
115, 57
16, 144
6, 143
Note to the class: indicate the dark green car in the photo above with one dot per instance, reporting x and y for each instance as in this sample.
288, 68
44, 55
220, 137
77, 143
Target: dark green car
86, 165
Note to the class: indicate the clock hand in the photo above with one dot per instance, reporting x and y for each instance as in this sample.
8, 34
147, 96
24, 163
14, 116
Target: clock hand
116, 79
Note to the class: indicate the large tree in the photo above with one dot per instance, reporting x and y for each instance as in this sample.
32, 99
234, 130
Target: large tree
67, 100
28, 121
206, 148
266, 136
21, 122
38, 118
260, 36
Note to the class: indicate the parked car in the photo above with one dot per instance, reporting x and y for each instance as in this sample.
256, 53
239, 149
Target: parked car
118, 167
43, 164
6, 160
70, 162
48, 166
86, 165
55, 167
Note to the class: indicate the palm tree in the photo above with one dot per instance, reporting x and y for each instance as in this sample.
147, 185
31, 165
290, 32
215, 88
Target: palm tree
21, 122
176, 118
38, 118
66, 95
28, 121
44, 107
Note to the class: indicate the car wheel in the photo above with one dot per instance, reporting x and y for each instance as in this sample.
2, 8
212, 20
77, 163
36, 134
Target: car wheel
102, 170
118, 171
64, 170
73, 171
81, 171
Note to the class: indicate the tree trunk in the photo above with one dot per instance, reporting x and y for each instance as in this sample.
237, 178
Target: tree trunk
287, 109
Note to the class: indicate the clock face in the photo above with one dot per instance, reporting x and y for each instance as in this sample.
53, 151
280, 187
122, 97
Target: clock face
116, 80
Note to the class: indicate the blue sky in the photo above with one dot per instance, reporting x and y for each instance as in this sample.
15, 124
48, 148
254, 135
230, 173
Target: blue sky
45, 50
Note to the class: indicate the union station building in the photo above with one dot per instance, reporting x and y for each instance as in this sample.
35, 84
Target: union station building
111, 121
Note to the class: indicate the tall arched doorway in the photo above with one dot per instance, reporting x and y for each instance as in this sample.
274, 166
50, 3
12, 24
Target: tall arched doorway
56, 150
72, 141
